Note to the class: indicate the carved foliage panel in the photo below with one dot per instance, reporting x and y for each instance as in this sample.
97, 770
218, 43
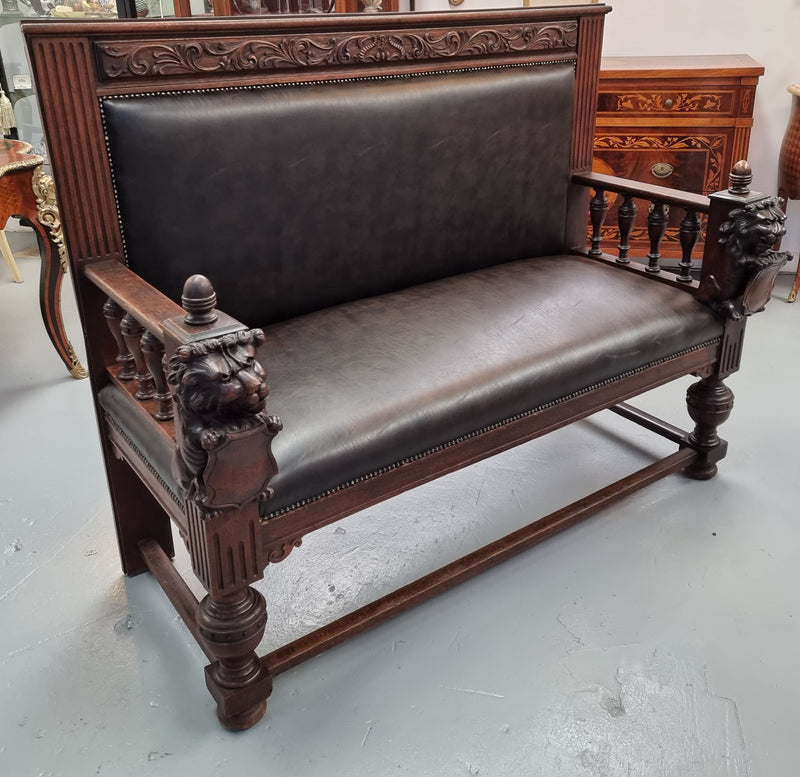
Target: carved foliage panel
160, 58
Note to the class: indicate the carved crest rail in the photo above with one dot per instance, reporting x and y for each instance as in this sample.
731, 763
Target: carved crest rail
122, 60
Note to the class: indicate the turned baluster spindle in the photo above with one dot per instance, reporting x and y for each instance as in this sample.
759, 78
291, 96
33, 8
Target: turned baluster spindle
626, 217
132, 332
598, 207
689, 234
153, 352
113, 314
656, 229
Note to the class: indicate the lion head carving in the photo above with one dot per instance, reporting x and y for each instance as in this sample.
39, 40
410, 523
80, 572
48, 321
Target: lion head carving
752, 230
220, 389
748, 236
220, 378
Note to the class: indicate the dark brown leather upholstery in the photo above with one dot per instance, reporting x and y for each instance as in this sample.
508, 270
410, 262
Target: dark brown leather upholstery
367, 385
293, 199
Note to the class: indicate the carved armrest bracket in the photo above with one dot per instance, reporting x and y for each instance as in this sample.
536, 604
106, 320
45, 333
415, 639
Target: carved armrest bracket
740, 267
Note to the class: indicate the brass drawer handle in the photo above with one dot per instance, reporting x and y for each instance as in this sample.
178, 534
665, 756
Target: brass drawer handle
662, 169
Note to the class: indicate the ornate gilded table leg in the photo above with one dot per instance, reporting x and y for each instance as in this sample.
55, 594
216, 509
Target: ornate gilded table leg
54, 265
789, 166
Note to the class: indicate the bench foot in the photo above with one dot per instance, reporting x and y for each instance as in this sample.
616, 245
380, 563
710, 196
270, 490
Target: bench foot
710, 403
231, 629
244, 720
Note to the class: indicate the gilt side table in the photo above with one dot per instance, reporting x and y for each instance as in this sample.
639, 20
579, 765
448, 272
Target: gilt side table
29, 194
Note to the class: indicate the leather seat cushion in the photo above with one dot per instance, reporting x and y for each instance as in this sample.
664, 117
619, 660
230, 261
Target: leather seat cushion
370, 384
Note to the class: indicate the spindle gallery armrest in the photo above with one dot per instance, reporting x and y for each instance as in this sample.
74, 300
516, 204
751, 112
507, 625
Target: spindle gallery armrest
415, 294
738, 268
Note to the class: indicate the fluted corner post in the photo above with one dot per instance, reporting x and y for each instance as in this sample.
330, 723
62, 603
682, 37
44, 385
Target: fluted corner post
223, 465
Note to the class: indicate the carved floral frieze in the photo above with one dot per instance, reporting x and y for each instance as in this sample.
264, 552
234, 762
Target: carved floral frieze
122, 59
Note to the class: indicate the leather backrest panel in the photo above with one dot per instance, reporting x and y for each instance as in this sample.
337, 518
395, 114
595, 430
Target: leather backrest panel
296, 198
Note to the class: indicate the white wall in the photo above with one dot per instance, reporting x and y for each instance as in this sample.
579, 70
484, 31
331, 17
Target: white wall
769, 31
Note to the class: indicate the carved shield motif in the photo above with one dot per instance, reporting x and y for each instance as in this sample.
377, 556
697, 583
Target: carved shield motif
760, 288
239, 470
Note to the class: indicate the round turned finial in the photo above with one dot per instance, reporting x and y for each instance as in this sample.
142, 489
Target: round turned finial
198, 300
741, 178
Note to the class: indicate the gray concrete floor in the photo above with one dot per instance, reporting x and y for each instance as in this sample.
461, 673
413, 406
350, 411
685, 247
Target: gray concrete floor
658, 638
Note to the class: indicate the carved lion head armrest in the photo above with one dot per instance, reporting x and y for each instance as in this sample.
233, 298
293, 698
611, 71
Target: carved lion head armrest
223, 432
739, 265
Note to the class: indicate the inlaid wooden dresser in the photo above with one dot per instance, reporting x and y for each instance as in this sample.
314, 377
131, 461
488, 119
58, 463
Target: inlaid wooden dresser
681, 122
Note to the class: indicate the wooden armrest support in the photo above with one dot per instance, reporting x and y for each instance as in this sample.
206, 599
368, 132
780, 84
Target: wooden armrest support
134, 295
696, 202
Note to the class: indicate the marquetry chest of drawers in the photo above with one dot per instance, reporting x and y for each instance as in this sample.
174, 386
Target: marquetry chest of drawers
681, 122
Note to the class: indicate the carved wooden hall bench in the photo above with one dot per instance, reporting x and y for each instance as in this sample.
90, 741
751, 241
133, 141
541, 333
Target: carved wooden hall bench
393, 212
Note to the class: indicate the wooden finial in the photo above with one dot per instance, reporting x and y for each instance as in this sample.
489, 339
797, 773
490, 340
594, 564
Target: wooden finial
741, 178
199, 300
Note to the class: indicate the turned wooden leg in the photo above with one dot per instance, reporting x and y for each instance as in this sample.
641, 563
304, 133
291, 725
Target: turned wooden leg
710, 403
232, 628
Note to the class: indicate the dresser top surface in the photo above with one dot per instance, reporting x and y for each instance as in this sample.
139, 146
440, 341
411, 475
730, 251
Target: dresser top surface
696, 64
